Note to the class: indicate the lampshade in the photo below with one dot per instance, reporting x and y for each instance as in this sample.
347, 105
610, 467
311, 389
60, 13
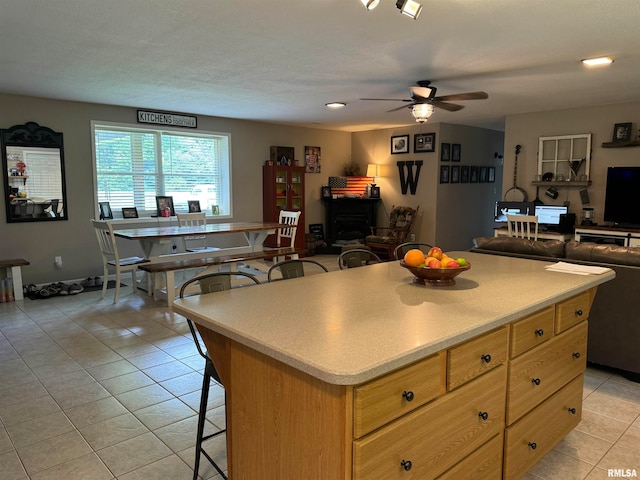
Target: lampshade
373, 170
370, 4
422, 112
410, 8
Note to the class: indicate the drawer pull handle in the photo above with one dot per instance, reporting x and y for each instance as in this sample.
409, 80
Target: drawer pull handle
535, 381
572, 410
408, 395
539, 332
486, 358
576, 354
579, 313
533, 445
406, 464
483, 415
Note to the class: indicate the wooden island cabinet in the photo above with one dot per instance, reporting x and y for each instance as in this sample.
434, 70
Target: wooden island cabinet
386, 379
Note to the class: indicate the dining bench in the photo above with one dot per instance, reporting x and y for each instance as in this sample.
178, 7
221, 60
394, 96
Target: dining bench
168, 268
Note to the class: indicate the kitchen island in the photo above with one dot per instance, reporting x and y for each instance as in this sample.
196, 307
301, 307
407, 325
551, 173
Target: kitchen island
362, 374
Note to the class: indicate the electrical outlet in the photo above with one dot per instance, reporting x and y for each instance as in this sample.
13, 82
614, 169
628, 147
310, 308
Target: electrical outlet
58, 262
412, 237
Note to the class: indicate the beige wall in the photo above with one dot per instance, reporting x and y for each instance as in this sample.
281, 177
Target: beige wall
74, 240
525, 129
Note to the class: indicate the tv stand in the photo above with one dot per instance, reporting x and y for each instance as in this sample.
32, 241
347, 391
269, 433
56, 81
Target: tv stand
624, 237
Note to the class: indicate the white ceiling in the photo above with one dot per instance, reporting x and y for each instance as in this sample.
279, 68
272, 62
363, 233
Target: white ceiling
282, 60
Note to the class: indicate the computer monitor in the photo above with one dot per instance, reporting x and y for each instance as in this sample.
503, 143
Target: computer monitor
549, 215
512, 208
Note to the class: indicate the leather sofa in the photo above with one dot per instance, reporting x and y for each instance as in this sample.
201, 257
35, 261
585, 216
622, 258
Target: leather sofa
614, 323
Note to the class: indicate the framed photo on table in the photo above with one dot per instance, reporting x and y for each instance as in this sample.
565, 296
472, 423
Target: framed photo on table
399, 144
622, 132
326, 191
424, 142
194, 206
105, 211
130, 212
163, 203
374, 191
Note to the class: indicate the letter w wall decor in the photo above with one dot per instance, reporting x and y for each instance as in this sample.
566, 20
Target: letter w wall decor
409, 176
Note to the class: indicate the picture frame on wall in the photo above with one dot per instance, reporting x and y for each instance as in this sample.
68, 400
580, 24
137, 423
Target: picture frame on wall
312, 159
444, 174
456, 152
445, 152
399, 144
491, 174
622, 132
473, 174
483, 175
105, 211
424, 142
455, 174
464, 174
129, 212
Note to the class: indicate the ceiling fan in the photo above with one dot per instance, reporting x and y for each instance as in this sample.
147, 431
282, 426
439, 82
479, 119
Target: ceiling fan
423, 100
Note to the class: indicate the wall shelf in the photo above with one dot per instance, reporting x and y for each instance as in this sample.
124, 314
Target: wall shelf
562, 184
630, 143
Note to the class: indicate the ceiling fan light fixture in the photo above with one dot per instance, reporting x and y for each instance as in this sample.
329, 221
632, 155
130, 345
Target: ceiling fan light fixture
593, 62
370, 4
421, 112
410, 8
335, 105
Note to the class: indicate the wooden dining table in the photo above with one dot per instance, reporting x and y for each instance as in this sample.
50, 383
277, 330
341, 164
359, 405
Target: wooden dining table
153, 239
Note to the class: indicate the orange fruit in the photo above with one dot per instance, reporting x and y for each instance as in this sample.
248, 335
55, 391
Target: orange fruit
414, 257
445, 261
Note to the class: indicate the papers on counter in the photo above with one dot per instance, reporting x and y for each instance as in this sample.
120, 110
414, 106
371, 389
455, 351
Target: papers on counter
565, 267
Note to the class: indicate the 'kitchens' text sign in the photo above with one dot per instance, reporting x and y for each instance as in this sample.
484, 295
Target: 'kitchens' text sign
172, 119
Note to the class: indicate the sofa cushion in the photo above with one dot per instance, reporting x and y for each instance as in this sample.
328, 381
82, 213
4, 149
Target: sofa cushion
603, 253
523, 246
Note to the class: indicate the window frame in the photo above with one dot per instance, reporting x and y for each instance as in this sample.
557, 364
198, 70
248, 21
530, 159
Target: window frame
224, 197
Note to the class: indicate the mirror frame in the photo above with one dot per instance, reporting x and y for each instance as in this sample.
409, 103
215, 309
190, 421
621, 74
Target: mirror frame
32, 135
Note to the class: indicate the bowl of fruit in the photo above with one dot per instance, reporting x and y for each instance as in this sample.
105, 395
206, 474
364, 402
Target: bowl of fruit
436, 268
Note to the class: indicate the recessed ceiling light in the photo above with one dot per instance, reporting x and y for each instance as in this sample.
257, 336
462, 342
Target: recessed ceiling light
592, 62
370, 4
335, 104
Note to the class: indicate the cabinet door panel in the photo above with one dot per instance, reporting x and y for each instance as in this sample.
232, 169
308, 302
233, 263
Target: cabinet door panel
528, 440
437, 435
382, 400
476, 357
538, 373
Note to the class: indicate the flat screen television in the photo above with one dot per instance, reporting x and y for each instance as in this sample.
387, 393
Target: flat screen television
549, 215
622, 196
512, 208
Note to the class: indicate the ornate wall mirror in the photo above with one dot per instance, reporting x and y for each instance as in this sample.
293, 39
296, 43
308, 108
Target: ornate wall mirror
33, 171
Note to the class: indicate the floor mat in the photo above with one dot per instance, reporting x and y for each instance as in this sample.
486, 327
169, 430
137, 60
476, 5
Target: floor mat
37, 296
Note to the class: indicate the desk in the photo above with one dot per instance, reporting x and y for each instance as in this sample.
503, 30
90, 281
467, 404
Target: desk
565, 237
152, 239
294, 356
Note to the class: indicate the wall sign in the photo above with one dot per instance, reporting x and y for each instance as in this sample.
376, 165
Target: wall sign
172, 119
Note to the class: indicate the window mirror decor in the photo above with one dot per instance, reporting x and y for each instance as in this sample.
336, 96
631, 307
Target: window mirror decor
33, 172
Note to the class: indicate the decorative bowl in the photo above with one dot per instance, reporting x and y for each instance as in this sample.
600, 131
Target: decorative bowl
436, 277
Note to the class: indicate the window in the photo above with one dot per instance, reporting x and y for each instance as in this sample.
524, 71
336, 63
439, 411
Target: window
134, 164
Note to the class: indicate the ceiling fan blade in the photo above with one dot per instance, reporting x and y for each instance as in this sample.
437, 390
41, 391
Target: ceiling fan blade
400, 108
389, 99
451, 107
464, 96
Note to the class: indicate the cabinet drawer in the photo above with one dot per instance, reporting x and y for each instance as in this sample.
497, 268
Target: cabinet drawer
435, 436
475, 357
531, 331
537, 374
483, 464
382, 400
543, 428
572, 311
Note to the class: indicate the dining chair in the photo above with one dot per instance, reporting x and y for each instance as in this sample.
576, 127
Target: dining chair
287, 235
523, 226
293, 268
209, 283
194, 243
357, 257
400, 250
111, 259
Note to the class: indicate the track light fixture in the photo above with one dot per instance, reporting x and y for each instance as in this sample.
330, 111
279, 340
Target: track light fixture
410, 8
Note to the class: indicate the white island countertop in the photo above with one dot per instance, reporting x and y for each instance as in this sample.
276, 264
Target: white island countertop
350, 326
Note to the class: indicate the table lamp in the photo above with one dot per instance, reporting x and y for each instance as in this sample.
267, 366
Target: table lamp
373, 171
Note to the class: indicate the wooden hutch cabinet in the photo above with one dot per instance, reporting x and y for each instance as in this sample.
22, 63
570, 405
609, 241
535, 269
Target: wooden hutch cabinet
283, 189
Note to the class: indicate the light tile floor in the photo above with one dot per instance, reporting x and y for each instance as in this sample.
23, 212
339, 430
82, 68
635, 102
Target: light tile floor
92, 390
